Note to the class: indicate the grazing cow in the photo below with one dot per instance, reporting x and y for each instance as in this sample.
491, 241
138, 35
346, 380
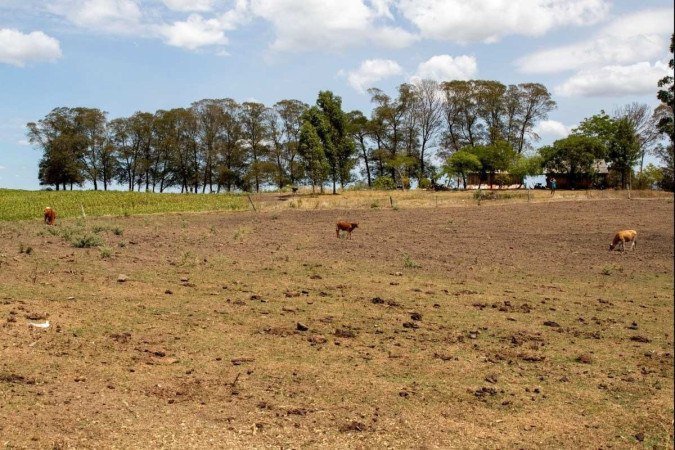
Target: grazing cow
345, 226
50, 216
623, 236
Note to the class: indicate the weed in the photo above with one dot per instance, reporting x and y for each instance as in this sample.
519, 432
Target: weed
409, 263
375, 204
118, 231
25, 249
86, 241
213, 230
395, 208
106, 252
240, 233
275, 216
99, 229
122, 244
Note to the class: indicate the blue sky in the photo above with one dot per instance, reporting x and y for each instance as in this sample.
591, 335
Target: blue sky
124, 56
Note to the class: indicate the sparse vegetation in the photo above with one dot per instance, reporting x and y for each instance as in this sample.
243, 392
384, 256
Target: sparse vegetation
294, 336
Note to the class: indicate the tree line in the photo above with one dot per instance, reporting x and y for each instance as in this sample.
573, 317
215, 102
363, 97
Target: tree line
426, 131
220, 144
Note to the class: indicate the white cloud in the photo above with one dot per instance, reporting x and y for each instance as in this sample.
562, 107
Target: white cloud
371, 71
302, 25
632, 38
114, 16
447, 68
23, 142
195, 32
552, 129
189, 5
635, 79
18, 49
489, 21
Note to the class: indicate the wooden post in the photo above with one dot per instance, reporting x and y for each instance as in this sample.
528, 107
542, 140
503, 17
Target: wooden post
249, 199
391, 201
630, 176
529, 199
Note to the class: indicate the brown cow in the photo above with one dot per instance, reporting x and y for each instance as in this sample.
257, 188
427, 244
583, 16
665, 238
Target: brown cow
50, 216
345, 226
623, 236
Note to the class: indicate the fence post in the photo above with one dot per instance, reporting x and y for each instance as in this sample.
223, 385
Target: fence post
249, 199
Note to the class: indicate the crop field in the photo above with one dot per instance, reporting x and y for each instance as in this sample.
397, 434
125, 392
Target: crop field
441, 323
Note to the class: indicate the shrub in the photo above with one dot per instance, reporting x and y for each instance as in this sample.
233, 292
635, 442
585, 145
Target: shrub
384, 183
425, 183
86, 241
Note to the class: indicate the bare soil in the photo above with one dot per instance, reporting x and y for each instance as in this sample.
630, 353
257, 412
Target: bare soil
492, 326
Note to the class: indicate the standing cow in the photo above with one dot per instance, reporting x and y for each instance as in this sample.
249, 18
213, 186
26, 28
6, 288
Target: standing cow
345, 226
50, 215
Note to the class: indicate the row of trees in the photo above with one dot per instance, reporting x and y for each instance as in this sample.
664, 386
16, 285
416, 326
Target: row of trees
622, 140
427, 130
223, 145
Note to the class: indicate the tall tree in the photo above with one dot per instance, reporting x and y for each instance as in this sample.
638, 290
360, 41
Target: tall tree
536, 103
58, 136
340, 148
290, 112
429, 110
461, 113
91, 124
641, 118
311, 149
359, 130
624, 149
255, 132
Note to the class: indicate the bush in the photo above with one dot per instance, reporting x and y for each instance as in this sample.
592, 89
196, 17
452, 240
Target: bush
384, 183
87, 241
425, 183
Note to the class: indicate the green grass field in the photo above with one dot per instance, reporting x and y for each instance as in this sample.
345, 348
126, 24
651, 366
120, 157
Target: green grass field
25, 205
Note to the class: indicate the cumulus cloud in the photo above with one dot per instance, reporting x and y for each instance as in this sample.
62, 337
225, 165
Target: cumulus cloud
634, 79
552, 129
189, 5
371, 71
447, 68
302, 25
463, 21
19, 49
116, 16
628, 39
195, 32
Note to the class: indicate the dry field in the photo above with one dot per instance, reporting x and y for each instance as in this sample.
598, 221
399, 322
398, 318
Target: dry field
494, 326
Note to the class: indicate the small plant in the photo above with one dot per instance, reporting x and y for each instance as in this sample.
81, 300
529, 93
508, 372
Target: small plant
126, 213
106, 252
122, 244
118, 231
607, 270
99, 229
375, 204
409, 263
240, 233
275, 216
25, 249
87, 241
395, 208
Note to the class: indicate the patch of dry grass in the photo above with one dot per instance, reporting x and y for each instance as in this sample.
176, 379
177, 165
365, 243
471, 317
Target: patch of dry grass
264, 330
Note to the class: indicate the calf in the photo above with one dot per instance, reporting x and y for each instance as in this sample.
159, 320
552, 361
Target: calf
50, 216
623, 236
345, 226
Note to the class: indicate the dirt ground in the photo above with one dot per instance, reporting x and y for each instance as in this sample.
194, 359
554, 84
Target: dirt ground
492, 326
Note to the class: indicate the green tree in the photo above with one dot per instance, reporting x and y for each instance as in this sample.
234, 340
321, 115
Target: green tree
311, 149
663, 115
62, 144
256, 134
525, 166
359, 130
624, 150
462, 163
574, 155
96, 156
